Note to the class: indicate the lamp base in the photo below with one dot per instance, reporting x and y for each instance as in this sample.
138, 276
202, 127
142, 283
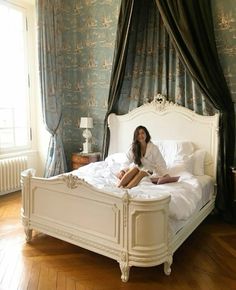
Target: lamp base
86, 147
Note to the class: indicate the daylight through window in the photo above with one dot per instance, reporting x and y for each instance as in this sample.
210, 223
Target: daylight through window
14, 89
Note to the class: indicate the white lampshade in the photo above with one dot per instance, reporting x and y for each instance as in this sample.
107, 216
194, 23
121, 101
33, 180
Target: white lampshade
86, 122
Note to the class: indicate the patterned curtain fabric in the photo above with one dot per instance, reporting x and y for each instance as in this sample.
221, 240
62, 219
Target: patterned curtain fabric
153, 66
118, 67
146, 63
50, 66
190, 25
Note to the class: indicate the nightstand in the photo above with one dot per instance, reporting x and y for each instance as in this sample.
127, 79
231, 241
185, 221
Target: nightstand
81, 159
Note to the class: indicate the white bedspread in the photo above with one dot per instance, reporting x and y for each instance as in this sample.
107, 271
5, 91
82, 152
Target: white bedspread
185, 194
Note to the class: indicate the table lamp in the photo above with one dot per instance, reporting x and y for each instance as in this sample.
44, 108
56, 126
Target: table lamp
87, 123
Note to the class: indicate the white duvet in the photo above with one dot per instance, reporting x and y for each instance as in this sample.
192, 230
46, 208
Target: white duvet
185, 194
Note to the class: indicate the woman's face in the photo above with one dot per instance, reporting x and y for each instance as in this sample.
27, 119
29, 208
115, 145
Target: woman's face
141, 136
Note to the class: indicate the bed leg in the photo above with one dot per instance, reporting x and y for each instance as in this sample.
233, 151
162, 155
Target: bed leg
124, 267
27, 229
28, 234
124, 271
167, 264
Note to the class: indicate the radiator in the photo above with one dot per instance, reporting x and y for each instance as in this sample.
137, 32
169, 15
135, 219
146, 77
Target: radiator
10, 171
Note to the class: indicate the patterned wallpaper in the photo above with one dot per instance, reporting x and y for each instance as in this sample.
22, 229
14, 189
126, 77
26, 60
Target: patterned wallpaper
224, 14
89, 37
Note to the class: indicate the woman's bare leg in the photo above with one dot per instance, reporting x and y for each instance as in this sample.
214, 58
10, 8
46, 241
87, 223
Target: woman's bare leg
129, 175
136, 179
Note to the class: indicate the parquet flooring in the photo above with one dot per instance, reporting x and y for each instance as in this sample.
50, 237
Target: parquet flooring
206, 261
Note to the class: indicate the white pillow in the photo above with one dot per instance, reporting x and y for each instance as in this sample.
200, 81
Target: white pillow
185, 164
116, 157
174, 150
199, 162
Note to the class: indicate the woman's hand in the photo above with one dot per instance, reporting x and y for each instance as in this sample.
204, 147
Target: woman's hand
120, 174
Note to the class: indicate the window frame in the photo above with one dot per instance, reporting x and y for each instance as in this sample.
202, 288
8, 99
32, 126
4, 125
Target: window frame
28, 10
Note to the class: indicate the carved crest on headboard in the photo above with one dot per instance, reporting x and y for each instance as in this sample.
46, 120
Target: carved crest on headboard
160, 102
160, 99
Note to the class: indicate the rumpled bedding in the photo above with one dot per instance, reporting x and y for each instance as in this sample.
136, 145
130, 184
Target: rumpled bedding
185, 194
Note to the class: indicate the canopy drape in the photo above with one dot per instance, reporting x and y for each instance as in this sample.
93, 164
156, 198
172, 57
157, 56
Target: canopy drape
190, 25
153, 66
146, 63
118, 67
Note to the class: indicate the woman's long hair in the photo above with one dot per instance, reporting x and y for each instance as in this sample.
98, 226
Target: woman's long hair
136, 146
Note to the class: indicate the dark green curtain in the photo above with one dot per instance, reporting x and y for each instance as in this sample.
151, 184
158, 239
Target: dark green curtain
146, 63
190, 25
153, 66
118, 67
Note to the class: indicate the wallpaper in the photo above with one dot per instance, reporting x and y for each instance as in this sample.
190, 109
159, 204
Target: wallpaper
89, 34
224, 15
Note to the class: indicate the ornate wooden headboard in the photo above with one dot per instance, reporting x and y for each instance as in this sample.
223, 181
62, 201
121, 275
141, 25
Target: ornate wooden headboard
167, 121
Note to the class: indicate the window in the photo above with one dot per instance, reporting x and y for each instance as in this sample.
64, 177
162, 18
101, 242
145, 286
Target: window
14, 79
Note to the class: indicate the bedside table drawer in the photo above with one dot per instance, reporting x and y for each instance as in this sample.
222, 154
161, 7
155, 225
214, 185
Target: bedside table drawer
81, 159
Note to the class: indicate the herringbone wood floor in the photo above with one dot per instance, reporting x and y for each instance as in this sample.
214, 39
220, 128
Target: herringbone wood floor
206, 261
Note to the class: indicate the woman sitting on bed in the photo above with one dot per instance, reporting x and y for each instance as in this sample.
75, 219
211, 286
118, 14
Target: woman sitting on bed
144, 159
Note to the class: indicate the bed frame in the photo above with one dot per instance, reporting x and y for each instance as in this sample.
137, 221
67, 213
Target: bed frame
132, 231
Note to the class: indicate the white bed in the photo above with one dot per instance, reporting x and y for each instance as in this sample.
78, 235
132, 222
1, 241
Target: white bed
134, 229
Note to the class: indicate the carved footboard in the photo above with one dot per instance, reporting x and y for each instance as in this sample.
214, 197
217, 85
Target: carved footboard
132, 231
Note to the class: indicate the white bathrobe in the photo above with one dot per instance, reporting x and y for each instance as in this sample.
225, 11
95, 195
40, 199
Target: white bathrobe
152, 162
